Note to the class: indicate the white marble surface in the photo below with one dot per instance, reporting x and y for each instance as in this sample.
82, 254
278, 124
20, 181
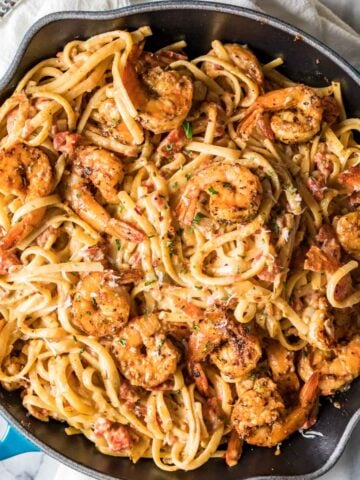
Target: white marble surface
38, 466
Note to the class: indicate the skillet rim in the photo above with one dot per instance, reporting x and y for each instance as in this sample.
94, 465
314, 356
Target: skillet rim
162, 6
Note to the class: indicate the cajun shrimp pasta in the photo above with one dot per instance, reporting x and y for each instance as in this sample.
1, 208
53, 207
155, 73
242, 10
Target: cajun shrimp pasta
179, 251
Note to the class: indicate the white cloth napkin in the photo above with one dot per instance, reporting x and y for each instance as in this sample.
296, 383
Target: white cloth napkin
309, 15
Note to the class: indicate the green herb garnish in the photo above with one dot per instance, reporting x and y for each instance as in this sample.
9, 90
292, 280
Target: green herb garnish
187, 129
212, 191
198, 217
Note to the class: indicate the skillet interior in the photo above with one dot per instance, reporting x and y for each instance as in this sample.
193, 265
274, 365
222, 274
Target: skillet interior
307, 61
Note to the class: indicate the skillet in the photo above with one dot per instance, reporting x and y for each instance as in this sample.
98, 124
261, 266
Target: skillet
306, 60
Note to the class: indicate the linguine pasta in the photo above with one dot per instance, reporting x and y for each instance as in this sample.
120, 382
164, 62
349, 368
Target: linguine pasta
180, 247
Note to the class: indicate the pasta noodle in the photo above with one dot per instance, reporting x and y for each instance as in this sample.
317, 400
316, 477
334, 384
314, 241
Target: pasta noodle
179, 250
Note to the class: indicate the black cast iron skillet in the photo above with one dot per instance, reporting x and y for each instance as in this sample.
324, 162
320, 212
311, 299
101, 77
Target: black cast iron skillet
306, 60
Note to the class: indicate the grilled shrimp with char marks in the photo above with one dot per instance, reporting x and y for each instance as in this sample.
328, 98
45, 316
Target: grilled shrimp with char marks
261, 417
145, 356
234, 194
337, 368
26, 173
102, 169
297, 114
162, 97
101, 303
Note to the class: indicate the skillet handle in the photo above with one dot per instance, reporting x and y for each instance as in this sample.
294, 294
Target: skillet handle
12, 442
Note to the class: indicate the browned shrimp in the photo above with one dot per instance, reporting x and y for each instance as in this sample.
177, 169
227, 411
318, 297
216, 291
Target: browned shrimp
282, 365
235, 194
297, 114
260, 416
26, 173
337, 368
229, 346
101, 304
145, 356
110, 114
102, 169
234, 449
162, 97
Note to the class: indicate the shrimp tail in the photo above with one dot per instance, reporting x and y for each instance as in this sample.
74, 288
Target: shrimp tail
125, 231
199, 376
310, 390
21, 230
234, 449
247, 126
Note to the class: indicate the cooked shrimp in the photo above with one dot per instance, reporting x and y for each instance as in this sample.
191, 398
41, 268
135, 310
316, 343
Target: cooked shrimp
234, 194
110, 114
282, 365
26, 173
229, 346
98, 167
297, 114
101, 305
260, 416
145, 356
162, 97
348, 232
337, 367
234, 449
242, 58
103, 168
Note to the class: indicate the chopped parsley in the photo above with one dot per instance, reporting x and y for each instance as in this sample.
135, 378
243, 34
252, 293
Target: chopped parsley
198, 217
187, 176
122, 341
169, 147
226, 184
75, 339
118, 244
149, 282
187, 129
171, 246
212, 191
